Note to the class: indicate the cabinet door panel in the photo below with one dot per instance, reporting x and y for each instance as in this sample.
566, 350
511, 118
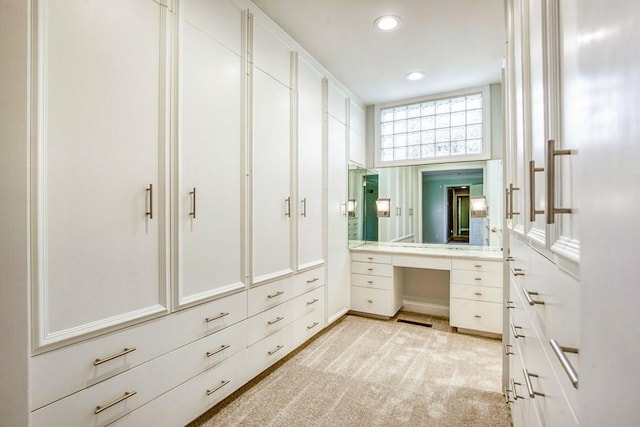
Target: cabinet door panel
219, 19
270, 54
310, 167
272, 204
210, 153
100, 148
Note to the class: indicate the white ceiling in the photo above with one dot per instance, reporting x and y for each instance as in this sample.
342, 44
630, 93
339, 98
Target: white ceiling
457, 43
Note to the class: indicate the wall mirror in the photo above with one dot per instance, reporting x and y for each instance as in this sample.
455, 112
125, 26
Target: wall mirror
451, 204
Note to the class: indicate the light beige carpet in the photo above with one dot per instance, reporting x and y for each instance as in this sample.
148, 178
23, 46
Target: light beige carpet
366, 372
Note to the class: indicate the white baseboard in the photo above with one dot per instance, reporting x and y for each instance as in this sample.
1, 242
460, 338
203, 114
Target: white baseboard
426, 308
337, 316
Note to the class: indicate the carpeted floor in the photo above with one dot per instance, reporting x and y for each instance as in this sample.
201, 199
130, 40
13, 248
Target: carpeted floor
367, 372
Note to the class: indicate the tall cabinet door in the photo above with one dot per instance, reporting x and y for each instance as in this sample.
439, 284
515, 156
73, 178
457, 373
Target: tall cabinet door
310, 167
100, 153
209, 196
272, 203
338, 284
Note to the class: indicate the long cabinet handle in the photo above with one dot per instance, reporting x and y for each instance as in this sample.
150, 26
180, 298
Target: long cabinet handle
287, 210
315, 279
508, 304
507, 210
514, 391
274, 321
532, 193
277, 349
218, 387
313, 301
114, 356
277, 294
507, 350
304, 207
222, 348
516, 334
517, 271
125, 396
531, 301
149, 211
551, 181
193, 203
313, 325
566, 364
219, 316
511, 190
527, 381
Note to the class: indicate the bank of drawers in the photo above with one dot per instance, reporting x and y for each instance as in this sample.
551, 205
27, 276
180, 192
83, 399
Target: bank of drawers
476, 295
374, 284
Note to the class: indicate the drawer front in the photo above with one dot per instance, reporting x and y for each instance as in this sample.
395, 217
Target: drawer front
370, 269
476, 315
476, 265
308, 280
421, 261
371, 257
143, 383
186, 402
311, 301
476, 293
373, 301
264, 297
306, 327
479, 278
270, 321
61, 372
268, 351
377, 282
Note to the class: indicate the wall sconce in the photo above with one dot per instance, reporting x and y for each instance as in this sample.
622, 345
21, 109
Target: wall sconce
478, 206
383, 207
351, 207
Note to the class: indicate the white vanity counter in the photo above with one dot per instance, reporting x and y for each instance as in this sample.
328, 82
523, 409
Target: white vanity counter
475, 281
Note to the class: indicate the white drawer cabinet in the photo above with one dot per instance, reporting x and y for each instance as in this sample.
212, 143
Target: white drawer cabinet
476, 315
376, 282
376, 286
59, 373
476, 265
263, 297
371, 269
373, 301
480, 278
307, 326
476, 293
308, 280
269, 350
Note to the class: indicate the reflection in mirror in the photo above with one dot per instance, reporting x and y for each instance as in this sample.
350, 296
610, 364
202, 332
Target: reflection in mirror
444, 204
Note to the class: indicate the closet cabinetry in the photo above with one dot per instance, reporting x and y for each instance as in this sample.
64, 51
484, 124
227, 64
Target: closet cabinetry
543, 257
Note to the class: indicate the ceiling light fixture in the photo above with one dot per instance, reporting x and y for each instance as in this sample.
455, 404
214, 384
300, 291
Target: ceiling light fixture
416, 75
387, 23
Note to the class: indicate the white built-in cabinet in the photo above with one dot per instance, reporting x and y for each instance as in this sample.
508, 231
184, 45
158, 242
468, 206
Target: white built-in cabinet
356, 134
209, 151
99, 155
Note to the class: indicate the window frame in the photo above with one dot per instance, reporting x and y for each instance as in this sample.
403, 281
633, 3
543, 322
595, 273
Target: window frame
486, 128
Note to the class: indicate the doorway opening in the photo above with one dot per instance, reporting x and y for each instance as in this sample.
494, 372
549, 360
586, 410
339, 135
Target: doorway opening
458, 214
370, 225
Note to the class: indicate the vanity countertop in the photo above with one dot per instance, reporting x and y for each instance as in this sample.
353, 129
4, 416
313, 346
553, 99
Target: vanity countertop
449, 251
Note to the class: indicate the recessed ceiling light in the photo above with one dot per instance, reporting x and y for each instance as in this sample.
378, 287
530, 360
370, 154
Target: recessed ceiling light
415, 75
387, 23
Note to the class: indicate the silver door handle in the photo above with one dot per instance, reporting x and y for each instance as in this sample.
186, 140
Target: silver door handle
532, 193
149, 211
527, 381
304, 207
551, 181
193, 203
531, 301
566, 364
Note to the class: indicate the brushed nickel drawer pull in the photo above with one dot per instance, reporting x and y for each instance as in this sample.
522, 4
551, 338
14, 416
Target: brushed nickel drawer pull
478, 294
193, 203
513, 389
509, 259
313, 301
507, 349
370, 301
516, 334
277, 294
478, 265
511, 190
370, 282
272, 352
566, 364
507, 214
313, 325
287, 210
370, 269
304, 207
477, 278
531, 301
517, 272
276, 320
532, 192
149, 211
477, 316
218, 387
508, 304
115, 356
315, 279
370, 258
551, 154
222, 348
219, 316
527, 380
125, 396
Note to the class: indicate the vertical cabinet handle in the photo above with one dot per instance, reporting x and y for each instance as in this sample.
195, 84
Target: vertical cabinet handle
527, 381
532, 194
566, 364
511, 190
287, 209
506, 204
193, 203
304, 207
551, 181
149, 211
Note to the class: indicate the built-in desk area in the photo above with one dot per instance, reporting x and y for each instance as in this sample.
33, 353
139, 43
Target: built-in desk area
475, 281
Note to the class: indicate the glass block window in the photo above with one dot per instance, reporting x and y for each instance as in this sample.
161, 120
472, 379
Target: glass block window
432, 130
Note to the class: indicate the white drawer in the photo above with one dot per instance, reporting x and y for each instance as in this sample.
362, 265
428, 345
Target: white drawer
476, 293
306, 327
373, 301
189, 400
146, 381
371, 269
371, 257
422, 261
479, 278
476, 265
311, 301
376, 282
269, 350
264, 297
268, 322
61, 372
308, 280
476, 315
